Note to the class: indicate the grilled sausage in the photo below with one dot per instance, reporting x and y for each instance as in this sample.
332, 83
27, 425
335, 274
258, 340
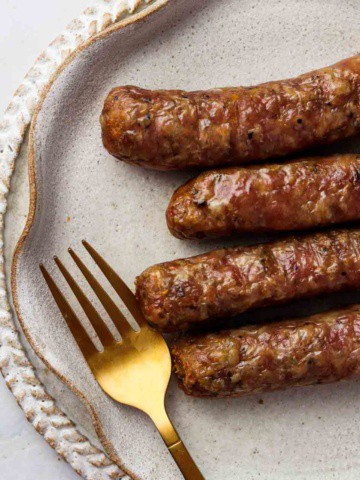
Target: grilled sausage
174, 129
226, 282
293, 196
320, 349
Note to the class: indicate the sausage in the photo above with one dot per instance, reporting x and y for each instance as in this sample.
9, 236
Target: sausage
226, 282
174, 129
293, 196
323, 348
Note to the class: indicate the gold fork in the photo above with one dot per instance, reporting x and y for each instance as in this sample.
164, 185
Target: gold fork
134, 371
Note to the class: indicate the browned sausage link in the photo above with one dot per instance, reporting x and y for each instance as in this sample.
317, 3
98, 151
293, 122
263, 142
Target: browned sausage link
174, 129
229, 281
294, 196
320, 349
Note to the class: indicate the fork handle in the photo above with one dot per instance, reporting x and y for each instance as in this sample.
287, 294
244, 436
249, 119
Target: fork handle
184, 461
175, 445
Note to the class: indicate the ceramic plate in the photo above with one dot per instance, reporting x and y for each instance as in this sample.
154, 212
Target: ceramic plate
78, 191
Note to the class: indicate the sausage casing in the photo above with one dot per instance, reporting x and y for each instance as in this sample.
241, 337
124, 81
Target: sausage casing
174, 129
320, 349
226, 282
292, 196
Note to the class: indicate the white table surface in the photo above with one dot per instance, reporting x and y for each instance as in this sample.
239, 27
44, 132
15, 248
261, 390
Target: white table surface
27, 27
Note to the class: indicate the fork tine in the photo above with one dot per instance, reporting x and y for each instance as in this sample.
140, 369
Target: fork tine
96, 321
118, 284
79, 333
113, 311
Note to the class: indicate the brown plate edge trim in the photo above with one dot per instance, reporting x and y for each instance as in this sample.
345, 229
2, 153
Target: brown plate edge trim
141, 16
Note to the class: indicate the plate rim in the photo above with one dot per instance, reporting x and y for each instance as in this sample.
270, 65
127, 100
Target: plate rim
93, 24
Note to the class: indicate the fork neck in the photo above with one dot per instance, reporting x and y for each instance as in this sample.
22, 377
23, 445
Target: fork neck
165, 427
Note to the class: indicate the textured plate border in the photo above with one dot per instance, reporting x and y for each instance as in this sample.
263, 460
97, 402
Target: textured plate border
18, 372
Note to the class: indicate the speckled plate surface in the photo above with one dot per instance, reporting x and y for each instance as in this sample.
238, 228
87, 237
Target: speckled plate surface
78, 190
